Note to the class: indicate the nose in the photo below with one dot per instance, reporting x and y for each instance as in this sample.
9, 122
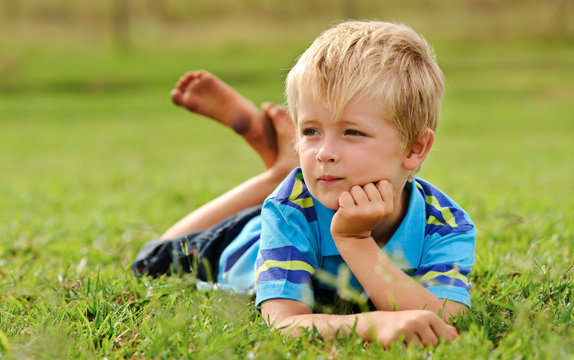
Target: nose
328, 152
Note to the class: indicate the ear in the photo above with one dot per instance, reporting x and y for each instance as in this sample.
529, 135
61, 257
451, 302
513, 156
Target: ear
419, 151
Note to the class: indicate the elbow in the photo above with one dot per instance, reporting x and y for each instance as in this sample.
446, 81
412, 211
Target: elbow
289, 329
285, 315
286, 326
452, 310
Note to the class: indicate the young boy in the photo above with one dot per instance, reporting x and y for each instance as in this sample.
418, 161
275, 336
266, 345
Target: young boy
365, 101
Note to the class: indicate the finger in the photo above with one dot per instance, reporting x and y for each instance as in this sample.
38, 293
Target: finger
346, 200
427, 336
372, 192
387, 195
412, 339
359, 195
453, 333
386, 190
443, 330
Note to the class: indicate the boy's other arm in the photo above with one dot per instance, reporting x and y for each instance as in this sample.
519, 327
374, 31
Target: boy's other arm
387, 286
386, 327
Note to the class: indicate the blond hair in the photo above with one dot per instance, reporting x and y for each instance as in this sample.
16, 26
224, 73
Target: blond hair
384, 62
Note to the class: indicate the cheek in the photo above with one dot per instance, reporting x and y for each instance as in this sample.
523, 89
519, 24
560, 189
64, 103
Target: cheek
363, 163
305, 152
300, 147
297, 141
371, 168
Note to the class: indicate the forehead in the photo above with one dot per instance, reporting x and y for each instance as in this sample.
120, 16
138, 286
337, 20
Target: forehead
359, 108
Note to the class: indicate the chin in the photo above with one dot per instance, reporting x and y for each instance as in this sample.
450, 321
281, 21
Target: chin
333, 205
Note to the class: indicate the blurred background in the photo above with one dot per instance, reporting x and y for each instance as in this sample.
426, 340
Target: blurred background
91, 147
38, 35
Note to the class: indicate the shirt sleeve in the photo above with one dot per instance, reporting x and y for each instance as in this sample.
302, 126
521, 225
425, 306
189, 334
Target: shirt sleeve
287, 256
446, 264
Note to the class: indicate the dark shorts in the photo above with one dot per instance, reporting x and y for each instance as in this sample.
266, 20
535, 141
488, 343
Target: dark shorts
198, 252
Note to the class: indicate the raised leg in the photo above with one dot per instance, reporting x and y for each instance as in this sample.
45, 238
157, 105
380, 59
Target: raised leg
253, 191
203, 93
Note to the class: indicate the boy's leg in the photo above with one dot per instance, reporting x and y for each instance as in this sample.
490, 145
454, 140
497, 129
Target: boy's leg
203, 93
253, 191
197, 252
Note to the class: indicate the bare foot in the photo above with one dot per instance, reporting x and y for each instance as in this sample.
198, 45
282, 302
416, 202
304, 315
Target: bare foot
287, 158
205, 94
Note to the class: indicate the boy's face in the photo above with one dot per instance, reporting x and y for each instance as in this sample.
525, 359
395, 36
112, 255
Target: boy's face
358, 148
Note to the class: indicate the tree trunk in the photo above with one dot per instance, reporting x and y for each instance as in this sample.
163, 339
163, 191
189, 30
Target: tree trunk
121, 25
11, 9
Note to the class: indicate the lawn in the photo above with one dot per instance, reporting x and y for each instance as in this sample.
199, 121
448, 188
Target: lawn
95, 161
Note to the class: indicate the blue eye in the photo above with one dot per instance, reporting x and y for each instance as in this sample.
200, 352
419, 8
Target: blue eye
352, 132
309, 132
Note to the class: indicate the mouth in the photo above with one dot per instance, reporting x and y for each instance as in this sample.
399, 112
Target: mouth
328, 180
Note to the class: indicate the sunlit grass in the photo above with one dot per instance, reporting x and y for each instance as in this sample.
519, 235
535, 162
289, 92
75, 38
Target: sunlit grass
95, 161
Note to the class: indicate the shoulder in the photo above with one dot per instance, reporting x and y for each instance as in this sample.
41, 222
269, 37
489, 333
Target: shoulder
293, 193
443, 215
448, 245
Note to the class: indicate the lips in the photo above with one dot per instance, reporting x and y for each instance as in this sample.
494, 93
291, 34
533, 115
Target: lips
328, 179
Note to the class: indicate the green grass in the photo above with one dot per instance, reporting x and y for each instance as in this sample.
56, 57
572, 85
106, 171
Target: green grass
95, 161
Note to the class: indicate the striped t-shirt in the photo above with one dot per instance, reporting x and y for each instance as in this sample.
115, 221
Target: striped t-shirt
296, 257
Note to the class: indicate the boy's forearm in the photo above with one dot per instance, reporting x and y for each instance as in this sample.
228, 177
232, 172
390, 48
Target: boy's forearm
328, 325
384, 327
291, 316
388, 287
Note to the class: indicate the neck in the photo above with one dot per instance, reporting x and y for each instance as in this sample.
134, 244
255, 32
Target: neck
383, 232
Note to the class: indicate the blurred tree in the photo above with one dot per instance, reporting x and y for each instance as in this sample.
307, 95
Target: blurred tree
160, 8
480, 3
11, 9
121, 25
564, 16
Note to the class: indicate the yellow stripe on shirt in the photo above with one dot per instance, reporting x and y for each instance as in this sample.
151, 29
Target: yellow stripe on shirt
445, 211
287, 265
297, 190
432, 220
453, 274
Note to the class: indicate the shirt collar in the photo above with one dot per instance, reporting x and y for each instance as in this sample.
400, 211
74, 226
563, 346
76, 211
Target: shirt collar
405, 246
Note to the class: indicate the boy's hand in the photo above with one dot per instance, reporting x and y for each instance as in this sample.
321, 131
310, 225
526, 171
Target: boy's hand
419, 327
361, 209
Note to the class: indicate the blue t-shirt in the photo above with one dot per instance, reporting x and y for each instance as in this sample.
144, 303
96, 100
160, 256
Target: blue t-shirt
291, 245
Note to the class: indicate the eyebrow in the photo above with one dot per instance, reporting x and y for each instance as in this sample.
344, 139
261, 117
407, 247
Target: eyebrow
307, 121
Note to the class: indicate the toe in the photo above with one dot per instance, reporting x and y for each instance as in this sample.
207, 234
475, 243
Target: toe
280, 117
176, 96
266, 106
274, 110
281, 111
184, 81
